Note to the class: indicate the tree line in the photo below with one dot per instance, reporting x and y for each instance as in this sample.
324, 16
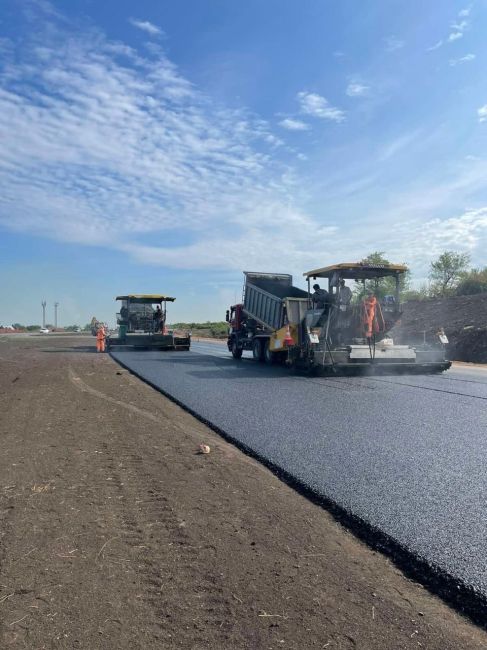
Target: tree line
450, 274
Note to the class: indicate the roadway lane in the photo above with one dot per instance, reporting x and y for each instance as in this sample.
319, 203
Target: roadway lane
406, 454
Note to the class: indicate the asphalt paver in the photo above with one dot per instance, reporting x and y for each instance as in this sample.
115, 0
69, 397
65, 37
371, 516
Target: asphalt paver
405, 454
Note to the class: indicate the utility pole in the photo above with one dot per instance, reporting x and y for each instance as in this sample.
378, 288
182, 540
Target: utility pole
43, 303
56, 305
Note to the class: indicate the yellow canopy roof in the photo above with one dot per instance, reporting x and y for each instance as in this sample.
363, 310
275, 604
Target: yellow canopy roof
357, 270
147, 298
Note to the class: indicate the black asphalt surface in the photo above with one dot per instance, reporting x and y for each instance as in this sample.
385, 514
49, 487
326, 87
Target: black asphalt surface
406, 454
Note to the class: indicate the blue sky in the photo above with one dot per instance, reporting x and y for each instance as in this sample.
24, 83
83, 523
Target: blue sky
167, 146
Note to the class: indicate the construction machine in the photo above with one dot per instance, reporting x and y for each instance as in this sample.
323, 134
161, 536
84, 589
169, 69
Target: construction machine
329, 331
142, 324
95, 325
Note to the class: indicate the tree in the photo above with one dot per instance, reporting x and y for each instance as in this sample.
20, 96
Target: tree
472, 282
446, 272
416, 294
382, 286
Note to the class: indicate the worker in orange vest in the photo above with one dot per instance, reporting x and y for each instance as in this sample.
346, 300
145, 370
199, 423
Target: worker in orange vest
100, 339
369, 308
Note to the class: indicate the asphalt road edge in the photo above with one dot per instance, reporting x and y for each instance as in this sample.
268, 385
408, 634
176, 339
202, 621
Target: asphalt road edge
463, 598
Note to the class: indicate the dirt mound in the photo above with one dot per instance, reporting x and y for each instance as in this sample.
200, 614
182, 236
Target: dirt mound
464, 319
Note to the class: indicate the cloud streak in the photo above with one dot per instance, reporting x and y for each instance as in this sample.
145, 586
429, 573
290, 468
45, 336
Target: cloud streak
482, 113
146, 26
464, 59
356, 89
294, 125
458, 30
317, 106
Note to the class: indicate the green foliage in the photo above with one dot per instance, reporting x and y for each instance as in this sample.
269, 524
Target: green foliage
215, 329
449, 275
382, 286
447, 271
423, 293
472, 282
72, 328
33, 328
18, 326
87, 327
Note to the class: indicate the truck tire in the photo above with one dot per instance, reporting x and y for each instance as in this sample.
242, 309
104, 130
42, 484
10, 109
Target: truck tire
236, 351
269, 357
258, 350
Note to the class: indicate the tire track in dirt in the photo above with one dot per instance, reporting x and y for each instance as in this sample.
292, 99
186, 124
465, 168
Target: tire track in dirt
145, 523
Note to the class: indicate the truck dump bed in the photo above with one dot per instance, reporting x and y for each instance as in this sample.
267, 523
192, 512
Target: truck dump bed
264, 294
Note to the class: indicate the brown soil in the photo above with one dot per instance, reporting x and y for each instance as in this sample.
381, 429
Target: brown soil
464, 319
116, 534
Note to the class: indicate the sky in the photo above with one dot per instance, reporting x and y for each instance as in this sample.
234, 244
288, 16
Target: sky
165, 147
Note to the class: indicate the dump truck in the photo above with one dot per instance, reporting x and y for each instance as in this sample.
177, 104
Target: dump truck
327, 330
142, 324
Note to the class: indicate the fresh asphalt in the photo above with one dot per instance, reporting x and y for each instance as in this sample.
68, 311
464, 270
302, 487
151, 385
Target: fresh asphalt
405, 454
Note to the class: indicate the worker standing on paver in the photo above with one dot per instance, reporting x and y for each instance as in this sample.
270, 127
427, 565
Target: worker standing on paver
100, 339
369, 306
345, 295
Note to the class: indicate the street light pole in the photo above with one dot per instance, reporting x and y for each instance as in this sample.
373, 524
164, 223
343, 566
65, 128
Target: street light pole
43, 303
56, 305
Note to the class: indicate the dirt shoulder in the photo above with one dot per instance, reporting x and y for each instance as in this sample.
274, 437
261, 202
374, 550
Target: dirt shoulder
116, 534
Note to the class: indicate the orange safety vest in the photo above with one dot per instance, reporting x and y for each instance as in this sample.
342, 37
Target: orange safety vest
369, 305
101, 335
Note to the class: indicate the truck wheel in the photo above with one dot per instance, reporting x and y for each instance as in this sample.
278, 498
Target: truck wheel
269, 357
236, 351
258, 350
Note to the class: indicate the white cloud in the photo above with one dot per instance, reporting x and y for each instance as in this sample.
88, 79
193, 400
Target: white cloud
458, 30
454, 36
146, 26
463, 59
435, 46
293, 125
460, 27
317, 106
338, 54
102, 146
355, 89
482, 113
393, 43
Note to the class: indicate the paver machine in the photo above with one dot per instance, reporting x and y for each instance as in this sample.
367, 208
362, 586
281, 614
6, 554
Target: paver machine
142, 324
336, 331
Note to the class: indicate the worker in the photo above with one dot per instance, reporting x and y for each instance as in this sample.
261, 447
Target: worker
157, 319
319, 297
345, 294
369, 306
100, 338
